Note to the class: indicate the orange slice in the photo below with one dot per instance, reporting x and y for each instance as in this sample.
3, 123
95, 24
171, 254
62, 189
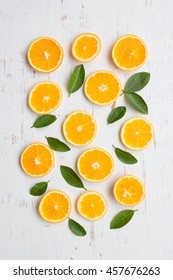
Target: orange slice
95, 165
45, 54
45, 97
129, 52
103, 87
137, 133
79, 128
37, 160
129, 190
92, 205
86, 47
55, 206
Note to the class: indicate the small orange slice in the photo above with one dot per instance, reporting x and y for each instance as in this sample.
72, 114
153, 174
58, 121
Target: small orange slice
37, 160
137, 133
86, 47
103, 87
129, 52
79, 128
95, 165
55, 206
45, 54
129, 190
45, 97
92, 205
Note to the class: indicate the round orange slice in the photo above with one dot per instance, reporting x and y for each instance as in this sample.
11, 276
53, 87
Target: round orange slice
86, 47
92, 205
95, 165
103, 87
79, 128
37, 160
45, 97
55, 206
45, 54
129, 190
129, 52
137, 133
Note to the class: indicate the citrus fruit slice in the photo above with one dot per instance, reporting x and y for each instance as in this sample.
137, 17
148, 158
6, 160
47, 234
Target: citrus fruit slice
45, 97
55, 206
137, 133
45, 54
92, 205
129, 190
95, 165
103, 87
129, 52
79, 128
86, 47
37, 159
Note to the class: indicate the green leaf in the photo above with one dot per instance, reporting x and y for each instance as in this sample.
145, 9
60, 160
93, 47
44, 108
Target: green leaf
71, 177
124, 156
122, 218
39, 188
137, 102
77, 78
76, 228
57, 145
44, 120
116, 114
137, 82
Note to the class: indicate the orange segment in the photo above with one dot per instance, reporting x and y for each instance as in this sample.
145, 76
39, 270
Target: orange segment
137, 133
86, 47
95, 165
129, 190
92, 205
103, 87
45, 54
54, 206
45, 97
79, 128
37, 159
129, 52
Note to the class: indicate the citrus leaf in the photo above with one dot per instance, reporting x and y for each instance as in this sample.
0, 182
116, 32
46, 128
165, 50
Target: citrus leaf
39, 188
124, 156
137, 102
76, 228
122, 218
57, 145
116, 114
77, 78
44, 120
137, 82
71, 177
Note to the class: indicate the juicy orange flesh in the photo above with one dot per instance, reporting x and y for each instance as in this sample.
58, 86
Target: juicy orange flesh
129, 52
37, 160
137, 133
92, 206
55, 207
86, 47
95, 165
45, 97
102, 87
129, 191
80, 128
45, 54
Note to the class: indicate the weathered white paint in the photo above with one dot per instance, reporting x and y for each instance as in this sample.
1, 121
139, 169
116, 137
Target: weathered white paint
23, 235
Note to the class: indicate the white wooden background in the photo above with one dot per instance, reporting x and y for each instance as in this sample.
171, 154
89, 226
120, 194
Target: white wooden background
23, 235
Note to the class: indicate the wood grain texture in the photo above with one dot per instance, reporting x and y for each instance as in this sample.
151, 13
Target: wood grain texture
23, 235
